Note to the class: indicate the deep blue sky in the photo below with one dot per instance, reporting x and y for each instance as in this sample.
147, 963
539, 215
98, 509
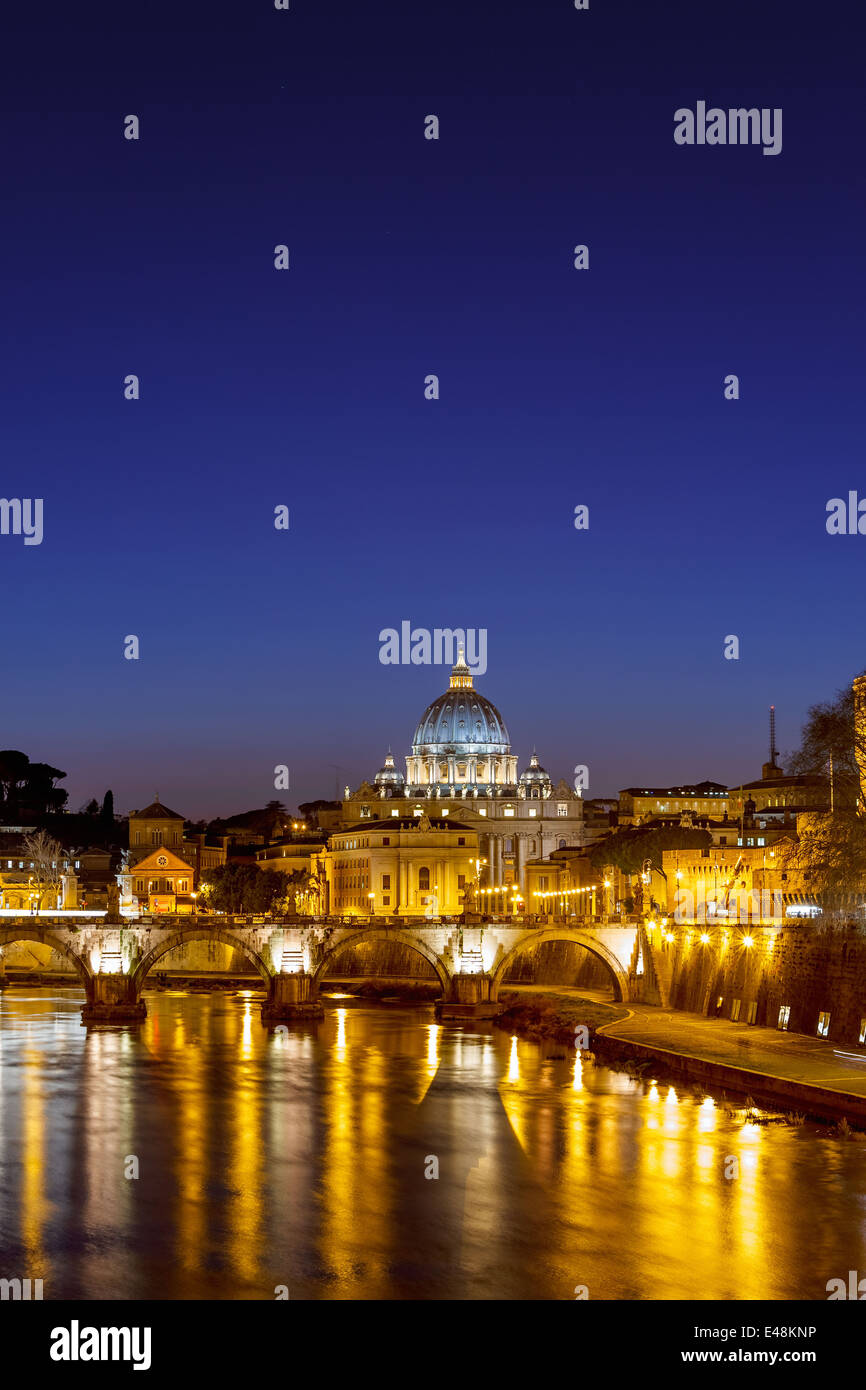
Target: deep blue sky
258, 127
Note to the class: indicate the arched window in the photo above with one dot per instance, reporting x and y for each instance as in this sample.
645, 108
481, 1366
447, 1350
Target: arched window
562, 844
423, 880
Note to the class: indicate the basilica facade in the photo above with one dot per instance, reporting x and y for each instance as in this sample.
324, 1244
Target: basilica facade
461, 764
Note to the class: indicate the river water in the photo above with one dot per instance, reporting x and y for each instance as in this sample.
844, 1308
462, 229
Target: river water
298, 1159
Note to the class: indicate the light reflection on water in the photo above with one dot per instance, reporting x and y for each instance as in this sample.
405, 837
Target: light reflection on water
299, 1158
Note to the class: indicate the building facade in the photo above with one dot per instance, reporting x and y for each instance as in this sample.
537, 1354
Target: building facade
407, 866
461, 764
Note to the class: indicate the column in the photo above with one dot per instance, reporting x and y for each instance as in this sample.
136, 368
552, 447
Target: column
402, 900
520, 849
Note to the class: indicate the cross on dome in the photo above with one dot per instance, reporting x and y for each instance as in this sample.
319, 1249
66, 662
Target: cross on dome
461, 676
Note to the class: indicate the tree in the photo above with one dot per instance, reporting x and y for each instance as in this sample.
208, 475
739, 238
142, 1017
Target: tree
244, 888
40, 795
830, 732
107, 813
13, 774
627, 849
46, 857
830, 849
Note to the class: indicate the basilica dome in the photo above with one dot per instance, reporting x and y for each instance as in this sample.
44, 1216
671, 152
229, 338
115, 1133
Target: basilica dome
461, 721
461, 745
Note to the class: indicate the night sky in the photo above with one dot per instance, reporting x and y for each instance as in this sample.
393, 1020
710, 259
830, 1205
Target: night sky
306, 387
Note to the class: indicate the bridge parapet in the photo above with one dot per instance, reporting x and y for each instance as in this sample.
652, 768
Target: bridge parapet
114, 958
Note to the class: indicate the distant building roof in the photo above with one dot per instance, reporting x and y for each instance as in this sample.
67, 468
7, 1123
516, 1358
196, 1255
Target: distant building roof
155, 811
386, 823
807, 779
698, 789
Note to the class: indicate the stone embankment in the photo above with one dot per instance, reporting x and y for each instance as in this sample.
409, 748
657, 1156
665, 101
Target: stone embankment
789, 1072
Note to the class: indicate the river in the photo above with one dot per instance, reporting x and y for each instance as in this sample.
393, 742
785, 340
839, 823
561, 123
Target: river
297, 1160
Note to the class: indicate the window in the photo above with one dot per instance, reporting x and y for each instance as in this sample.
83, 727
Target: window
386, 902
562, 808
752, 1011
735, 1010
562, 844
482, 810
386, 839
509, 811
461, 839
784, 1016
823, 1025
386, 883
395, 813
423, 879
445, 811
136, 840
461, 883
533, 812
182, 885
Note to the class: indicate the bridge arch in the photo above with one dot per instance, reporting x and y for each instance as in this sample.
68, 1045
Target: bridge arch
577, 938
356, 937
185, 934
44, 937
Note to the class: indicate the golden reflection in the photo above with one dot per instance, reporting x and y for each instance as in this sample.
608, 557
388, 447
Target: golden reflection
513, 1062
33, 1200
433, 1048
707, 1115
246, 1158
577, 1078
191, 1166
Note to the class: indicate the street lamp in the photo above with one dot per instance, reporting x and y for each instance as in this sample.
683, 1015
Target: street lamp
372, 900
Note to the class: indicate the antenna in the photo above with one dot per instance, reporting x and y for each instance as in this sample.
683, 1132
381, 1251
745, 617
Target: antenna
774, 752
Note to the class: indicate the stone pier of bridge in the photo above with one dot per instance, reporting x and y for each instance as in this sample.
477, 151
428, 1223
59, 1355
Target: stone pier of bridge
113, 959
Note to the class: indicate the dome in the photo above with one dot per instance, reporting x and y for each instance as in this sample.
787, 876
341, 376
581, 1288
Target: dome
534, 774
389, 777
461, 720
534, 781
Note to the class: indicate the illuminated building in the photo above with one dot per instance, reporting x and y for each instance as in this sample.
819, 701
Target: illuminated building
461, 764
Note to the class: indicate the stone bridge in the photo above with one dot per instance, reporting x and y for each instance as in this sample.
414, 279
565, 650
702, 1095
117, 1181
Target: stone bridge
114, 959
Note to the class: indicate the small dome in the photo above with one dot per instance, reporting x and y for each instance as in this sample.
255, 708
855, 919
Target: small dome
535, 772
535, 775
389, 775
